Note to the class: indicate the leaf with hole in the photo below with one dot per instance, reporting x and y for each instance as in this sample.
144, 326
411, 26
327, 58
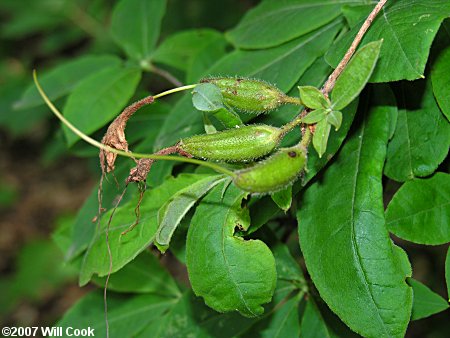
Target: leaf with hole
231, 284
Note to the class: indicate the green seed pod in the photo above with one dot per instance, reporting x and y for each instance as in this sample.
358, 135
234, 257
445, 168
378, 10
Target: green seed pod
233, 145
274, 173
249, 95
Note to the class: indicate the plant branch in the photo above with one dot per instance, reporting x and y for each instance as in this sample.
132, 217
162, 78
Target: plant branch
99, 145
329, 84
331, 81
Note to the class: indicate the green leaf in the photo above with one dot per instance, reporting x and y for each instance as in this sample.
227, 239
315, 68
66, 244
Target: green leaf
355, 75
346, 247
335, 119
62, 79
126, 315
125, 248
426, 302
179, 49
406, 38
320, 137
282, 66
275, 22
315, 116
441, 81
312, 324
355, 13
135, 25
419, 212
142, 275
316, 163
173, 211
99, 98
283, 198
313, 98
231, 282
422, 136
207, 97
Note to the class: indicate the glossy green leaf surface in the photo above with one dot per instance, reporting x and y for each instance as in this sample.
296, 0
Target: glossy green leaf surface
135, 25
275, 22
426, 302
240, 274
63, 79
355, 76
441, 81
406, 38
125, 248
173, 211
419, 212
99, 98
422, 136
346, 247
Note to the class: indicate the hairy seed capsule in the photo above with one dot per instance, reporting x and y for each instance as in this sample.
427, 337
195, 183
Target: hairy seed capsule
233, 145
273, 174
249, 95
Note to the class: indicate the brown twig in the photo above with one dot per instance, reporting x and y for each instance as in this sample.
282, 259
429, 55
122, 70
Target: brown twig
329, 84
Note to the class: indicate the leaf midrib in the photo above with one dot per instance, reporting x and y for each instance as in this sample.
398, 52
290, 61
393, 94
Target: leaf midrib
354, 246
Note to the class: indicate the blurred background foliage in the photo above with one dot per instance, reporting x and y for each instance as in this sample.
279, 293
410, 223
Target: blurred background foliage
42, 184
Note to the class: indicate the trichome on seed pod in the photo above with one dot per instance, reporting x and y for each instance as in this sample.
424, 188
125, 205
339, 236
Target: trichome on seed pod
274, 173
250, 95
233, 145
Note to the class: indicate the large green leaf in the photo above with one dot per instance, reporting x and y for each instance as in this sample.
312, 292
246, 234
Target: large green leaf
282, 66
135, 25
173, 211
179, 49
142, 275
62, 79
422, 136
126, 315
441, 81
240, 274
346, 247
274, 22
126, 248
420, 210
406, 38
99, 98
355, 76
426, 302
